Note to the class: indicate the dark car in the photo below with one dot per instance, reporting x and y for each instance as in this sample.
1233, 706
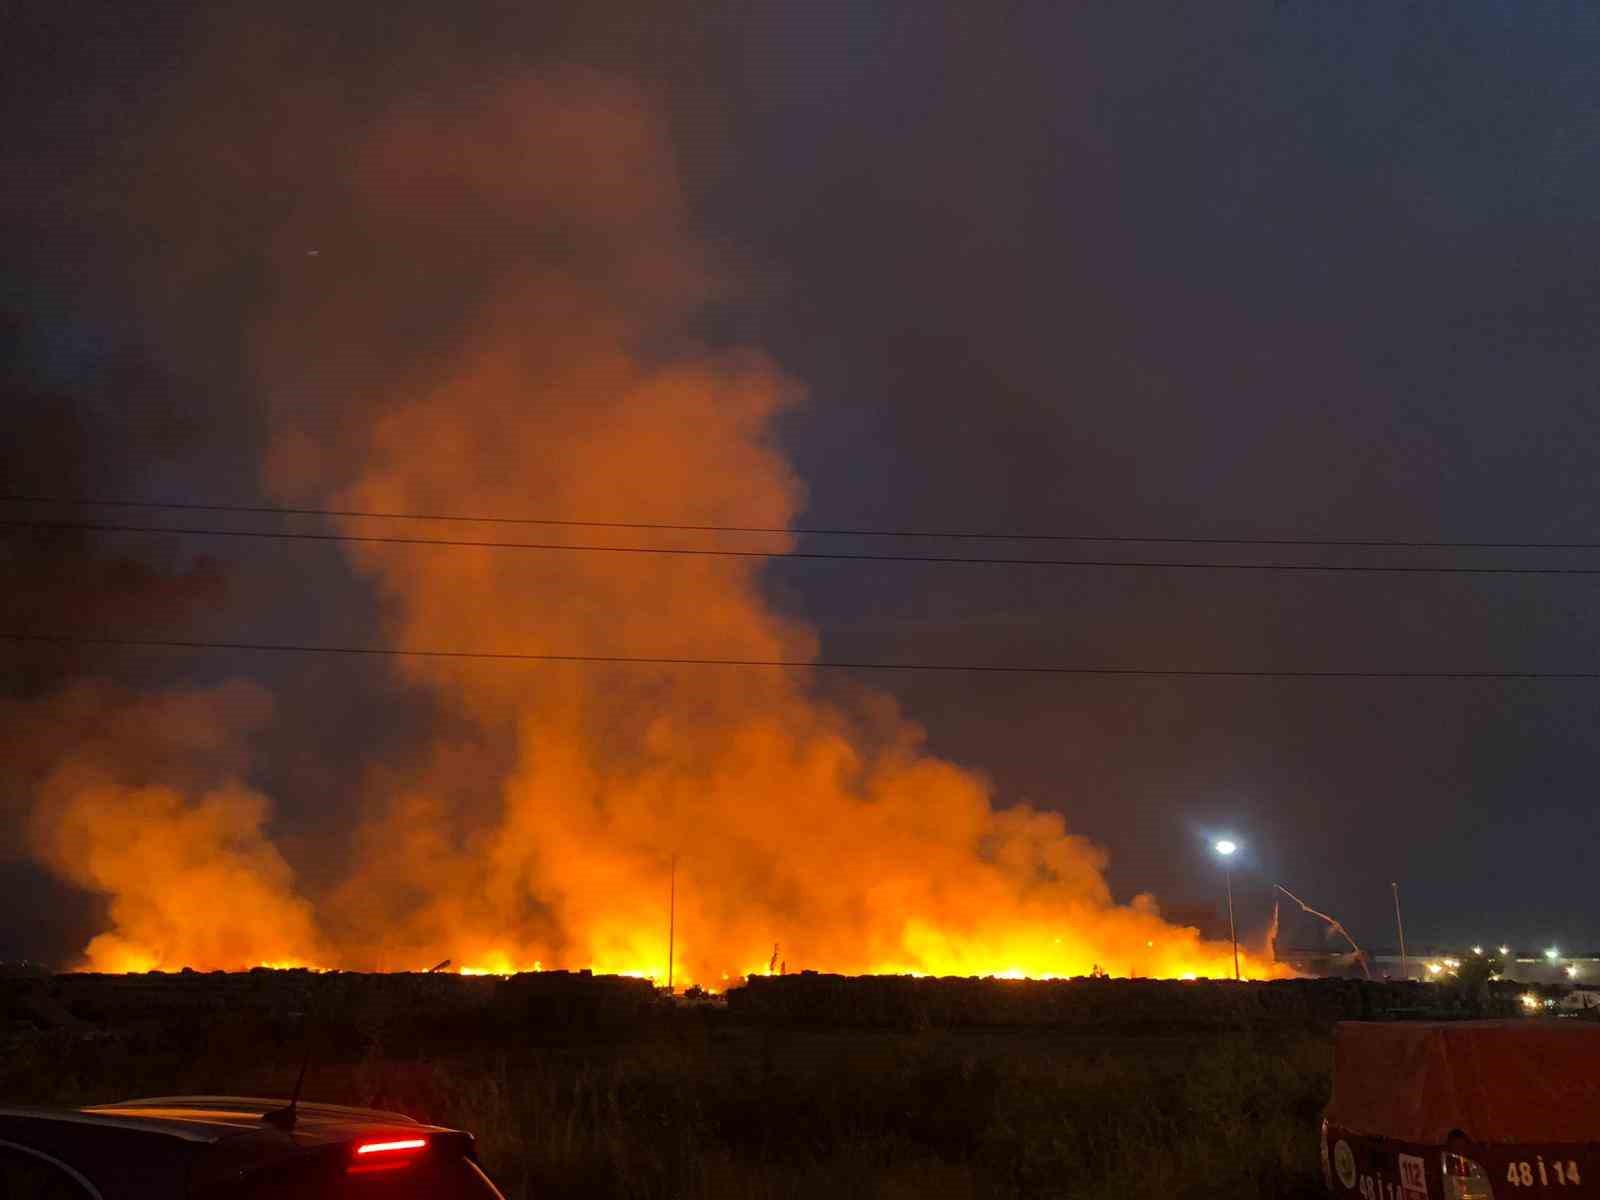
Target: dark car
211, 1147
1464, 1110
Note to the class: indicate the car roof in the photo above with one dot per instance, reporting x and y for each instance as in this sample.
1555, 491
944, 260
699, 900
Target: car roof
163, 1135
215, 1118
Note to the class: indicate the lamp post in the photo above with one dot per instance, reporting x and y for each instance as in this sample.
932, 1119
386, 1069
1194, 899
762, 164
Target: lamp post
1226, 849
672, 920
1405, 963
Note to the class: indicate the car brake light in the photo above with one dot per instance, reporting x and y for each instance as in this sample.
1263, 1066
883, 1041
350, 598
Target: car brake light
1465, 1179
395, 1147
388, 1155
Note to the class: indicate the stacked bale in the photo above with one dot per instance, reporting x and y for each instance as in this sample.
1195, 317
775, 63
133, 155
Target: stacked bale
907, 1002
401, 1011
350, 1005
576, 999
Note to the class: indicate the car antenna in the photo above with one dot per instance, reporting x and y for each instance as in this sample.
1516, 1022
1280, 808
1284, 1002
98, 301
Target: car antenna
284, 1118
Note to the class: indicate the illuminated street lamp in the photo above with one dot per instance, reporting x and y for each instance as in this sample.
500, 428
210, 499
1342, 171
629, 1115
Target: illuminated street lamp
1226, 849
1552, 954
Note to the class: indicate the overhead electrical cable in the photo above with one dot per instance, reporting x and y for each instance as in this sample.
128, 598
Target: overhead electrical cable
780, 664
707, 552
798, 531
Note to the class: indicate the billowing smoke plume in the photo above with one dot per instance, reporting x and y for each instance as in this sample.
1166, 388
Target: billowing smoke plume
492, 304
140, 798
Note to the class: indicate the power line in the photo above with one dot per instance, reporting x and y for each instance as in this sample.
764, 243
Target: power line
781, 664
800, 531
702, 552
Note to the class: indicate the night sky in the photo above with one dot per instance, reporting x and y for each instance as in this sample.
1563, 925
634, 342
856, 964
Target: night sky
1220, 271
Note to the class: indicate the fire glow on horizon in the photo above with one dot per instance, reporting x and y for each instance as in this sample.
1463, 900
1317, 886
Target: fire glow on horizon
503, 970
501, 966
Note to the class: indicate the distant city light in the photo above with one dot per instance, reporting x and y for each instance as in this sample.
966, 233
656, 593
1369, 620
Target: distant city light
1552, 954
1477, 949
1529, 1000
1572, 972
1505, 949
1225, 847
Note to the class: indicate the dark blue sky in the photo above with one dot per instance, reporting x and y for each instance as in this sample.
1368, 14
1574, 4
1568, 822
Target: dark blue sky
1245, 270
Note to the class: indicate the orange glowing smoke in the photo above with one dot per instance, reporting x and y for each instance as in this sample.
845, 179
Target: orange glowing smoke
553, 376
138, 799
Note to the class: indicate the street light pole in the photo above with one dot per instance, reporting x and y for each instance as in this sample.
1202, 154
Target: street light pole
1233, 932
1226, 849
1405, 965
672, 920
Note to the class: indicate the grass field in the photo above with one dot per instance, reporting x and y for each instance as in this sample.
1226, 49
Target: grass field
698, 1106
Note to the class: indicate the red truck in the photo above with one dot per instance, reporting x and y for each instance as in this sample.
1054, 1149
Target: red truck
1464, 1110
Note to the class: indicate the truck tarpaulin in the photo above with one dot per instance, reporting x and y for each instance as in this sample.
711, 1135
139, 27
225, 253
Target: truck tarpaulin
1495, 1081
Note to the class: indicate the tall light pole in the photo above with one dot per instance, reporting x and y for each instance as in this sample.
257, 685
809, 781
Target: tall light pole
672, 920
1405, 963
1226, 849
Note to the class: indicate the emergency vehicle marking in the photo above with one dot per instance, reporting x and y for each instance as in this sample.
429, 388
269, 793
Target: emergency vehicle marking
1562, 1174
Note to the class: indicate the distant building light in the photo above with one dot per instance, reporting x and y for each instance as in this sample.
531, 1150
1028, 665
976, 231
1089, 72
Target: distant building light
1505, 949
1477, 949
1552, 954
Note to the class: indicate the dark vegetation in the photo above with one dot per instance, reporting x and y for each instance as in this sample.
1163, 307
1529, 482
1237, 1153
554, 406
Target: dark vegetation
593, 1087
